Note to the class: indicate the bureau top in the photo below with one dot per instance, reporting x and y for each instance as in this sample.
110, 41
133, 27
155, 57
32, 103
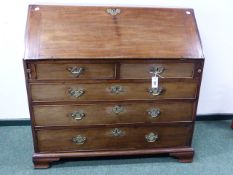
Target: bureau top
67, 32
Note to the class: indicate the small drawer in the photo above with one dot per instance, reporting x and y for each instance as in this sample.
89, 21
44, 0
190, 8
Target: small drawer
116, 138
111, 92
46, 71
91, 114
166, 70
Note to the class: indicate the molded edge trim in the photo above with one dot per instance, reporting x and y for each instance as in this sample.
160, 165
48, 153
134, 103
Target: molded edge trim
206, 117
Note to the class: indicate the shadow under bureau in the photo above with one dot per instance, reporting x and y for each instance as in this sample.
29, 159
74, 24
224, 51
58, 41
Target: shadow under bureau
105, 81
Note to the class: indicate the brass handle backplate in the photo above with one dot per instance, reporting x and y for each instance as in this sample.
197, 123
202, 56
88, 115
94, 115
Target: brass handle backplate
154, 112
156, 70
117, 109
117, 132
116, 89
79, 139
76, 92
156, 91
77, 115
113, 11
151, 137
76, 71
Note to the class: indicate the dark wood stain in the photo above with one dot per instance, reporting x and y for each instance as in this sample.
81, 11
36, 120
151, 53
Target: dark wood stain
113, 50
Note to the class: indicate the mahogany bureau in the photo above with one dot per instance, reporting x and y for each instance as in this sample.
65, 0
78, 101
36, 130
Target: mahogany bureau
107, 81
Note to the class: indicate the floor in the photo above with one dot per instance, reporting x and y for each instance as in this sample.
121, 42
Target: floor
213, 144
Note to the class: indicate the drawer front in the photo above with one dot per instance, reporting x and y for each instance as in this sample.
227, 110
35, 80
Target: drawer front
74, 71
112, 138
166, 70
89, 114
111, 92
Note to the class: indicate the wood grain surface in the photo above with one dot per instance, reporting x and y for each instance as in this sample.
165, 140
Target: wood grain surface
102, 91
60, 115
91, 32
103, 139
115, 53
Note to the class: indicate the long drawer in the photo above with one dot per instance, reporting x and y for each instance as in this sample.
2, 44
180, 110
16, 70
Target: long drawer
90, 114
59, 140
109, 91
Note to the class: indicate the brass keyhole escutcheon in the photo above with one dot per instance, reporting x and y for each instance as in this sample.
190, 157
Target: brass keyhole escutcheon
116, 89
151, 137
113, 11
117, 109
154, 112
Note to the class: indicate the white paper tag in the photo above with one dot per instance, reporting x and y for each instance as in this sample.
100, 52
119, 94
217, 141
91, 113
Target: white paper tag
155, 82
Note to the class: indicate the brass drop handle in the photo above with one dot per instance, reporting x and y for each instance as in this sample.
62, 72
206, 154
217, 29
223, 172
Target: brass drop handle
76, 92
77, 115
75, 71
154, 112
116, 89
117, 132
79, 139
117, 109
157, 70
156, 91
151, 137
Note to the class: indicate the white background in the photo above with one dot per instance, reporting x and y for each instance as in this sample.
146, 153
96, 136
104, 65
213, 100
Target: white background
215, 23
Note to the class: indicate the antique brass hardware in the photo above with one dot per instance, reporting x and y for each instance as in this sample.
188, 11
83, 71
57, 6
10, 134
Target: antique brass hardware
154, 112
156, 91
117, 109
157, 70
79, 139
77, 115
151, 137
76, 71
76, 92
116, 89
113, 11
117, 132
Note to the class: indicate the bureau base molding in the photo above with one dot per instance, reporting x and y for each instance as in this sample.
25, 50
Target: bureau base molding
44, 160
